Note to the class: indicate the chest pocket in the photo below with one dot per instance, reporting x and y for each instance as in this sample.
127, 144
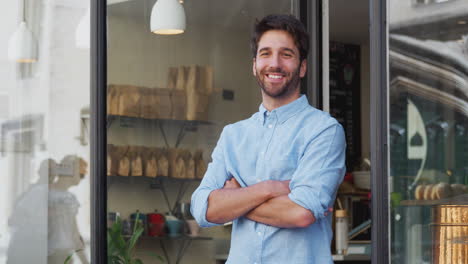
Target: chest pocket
282, 168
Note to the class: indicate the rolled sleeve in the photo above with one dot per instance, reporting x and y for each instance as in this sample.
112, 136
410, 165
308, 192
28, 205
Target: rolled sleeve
320, 171
215, 177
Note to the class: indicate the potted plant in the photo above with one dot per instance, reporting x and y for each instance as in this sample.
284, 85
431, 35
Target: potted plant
120, 248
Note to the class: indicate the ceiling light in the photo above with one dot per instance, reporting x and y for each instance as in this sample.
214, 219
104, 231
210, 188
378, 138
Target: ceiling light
461, 22
22, 46
167, 17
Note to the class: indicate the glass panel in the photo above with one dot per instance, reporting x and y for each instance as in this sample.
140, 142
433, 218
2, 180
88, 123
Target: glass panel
169, 96
44, 116
429, 131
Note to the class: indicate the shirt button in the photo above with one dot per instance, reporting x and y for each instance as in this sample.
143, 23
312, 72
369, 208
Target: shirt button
270, 126
259, 233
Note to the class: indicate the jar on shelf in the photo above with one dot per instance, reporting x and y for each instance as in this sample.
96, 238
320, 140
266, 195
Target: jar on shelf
341, 232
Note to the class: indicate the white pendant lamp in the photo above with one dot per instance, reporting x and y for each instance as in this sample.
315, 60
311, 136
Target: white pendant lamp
82, 33
167, 17
22, 46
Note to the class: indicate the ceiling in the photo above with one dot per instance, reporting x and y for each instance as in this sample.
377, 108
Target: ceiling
348, 20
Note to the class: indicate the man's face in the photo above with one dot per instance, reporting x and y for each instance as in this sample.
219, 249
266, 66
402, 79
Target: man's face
277, 66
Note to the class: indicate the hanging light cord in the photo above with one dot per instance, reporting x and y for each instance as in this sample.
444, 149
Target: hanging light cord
24, 11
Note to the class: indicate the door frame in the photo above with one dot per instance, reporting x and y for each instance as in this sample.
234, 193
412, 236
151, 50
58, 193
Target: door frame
379, 120
98, 138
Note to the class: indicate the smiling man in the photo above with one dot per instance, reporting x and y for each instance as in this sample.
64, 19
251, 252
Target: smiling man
275, 175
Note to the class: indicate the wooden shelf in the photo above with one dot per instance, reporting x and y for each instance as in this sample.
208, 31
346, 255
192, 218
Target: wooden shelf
158, 183
181, 237
111, 118
146, 179
448, 201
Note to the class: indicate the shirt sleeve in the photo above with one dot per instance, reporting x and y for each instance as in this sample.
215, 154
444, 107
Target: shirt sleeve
215, 177
320, 171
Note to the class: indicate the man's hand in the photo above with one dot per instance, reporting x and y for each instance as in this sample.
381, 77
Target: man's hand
276, 188
279, 188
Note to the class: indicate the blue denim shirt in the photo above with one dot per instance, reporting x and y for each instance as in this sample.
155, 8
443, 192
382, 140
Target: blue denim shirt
293, 142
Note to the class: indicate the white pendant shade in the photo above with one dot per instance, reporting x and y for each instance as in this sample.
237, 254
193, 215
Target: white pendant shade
82, 33
167, 17
22, 46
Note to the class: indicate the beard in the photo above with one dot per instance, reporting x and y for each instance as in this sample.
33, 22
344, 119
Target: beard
282, 91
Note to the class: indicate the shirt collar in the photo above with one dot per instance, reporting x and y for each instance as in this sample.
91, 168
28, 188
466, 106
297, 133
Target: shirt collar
286, 111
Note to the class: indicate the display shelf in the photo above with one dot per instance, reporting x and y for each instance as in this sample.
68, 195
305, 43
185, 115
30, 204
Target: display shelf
184, 125
157, 183
459, 200
351, 257
112, 118
186, 241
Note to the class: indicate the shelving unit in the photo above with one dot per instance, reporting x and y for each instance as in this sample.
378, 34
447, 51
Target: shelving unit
184, 239
184, 125
158, 183
166, 185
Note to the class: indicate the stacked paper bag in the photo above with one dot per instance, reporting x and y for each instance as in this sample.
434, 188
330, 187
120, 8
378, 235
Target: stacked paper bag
153, 162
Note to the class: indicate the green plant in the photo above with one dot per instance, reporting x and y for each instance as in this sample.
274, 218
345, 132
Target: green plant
120, 248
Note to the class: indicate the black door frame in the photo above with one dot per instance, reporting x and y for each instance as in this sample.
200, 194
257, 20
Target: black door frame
379, 121
98, 141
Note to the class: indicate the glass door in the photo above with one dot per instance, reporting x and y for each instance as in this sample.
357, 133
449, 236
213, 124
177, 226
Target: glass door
44, 132
428, 131
177, 73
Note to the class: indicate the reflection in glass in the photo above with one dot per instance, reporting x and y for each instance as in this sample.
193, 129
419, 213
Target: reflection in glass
44, 194
428, 136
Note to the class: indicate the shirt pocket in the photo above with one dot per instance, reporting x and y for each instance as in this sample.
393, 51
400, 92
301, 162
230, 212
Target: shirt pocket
282, 168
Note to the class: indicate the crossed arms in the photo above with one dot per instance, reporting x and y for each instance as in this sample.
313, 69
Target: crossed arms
286, 204
266, 202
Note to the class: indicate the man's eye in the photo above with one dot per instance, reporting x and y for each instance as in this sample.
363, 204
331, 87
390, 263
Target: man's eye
264, 54
287, 55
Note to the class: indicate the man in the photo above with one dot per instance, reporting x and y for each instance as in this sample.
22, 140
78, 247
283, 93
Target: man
275, 175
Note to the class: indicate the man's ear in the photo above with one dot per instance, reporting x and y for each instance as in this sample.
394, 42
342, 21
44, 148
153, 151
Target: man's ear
254, 64
303, 68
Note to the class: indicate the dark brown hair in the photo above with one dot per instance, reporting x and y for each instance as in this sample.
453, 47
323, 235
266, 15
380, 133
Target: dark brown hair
287, 23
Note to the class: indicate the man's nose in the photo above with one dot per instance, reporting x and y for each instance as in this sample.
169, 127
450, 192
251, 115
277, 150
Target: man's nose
275, 61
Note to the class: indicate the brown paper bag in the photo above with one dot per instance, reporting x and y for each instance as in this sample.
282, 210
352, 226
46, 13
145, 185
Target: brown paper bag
172, 78
116, 153
200, 79
136, 163
179, 104
163, 162
200, 165
199, 88
123, 166
182, 76
176, 163
150, 163
162, 102
147, 105
112, 100
189, 165
129, 101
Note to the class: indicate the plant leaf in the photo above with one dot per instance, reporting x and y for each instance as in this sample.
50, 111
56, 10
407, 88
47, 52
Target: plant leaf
134, 238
